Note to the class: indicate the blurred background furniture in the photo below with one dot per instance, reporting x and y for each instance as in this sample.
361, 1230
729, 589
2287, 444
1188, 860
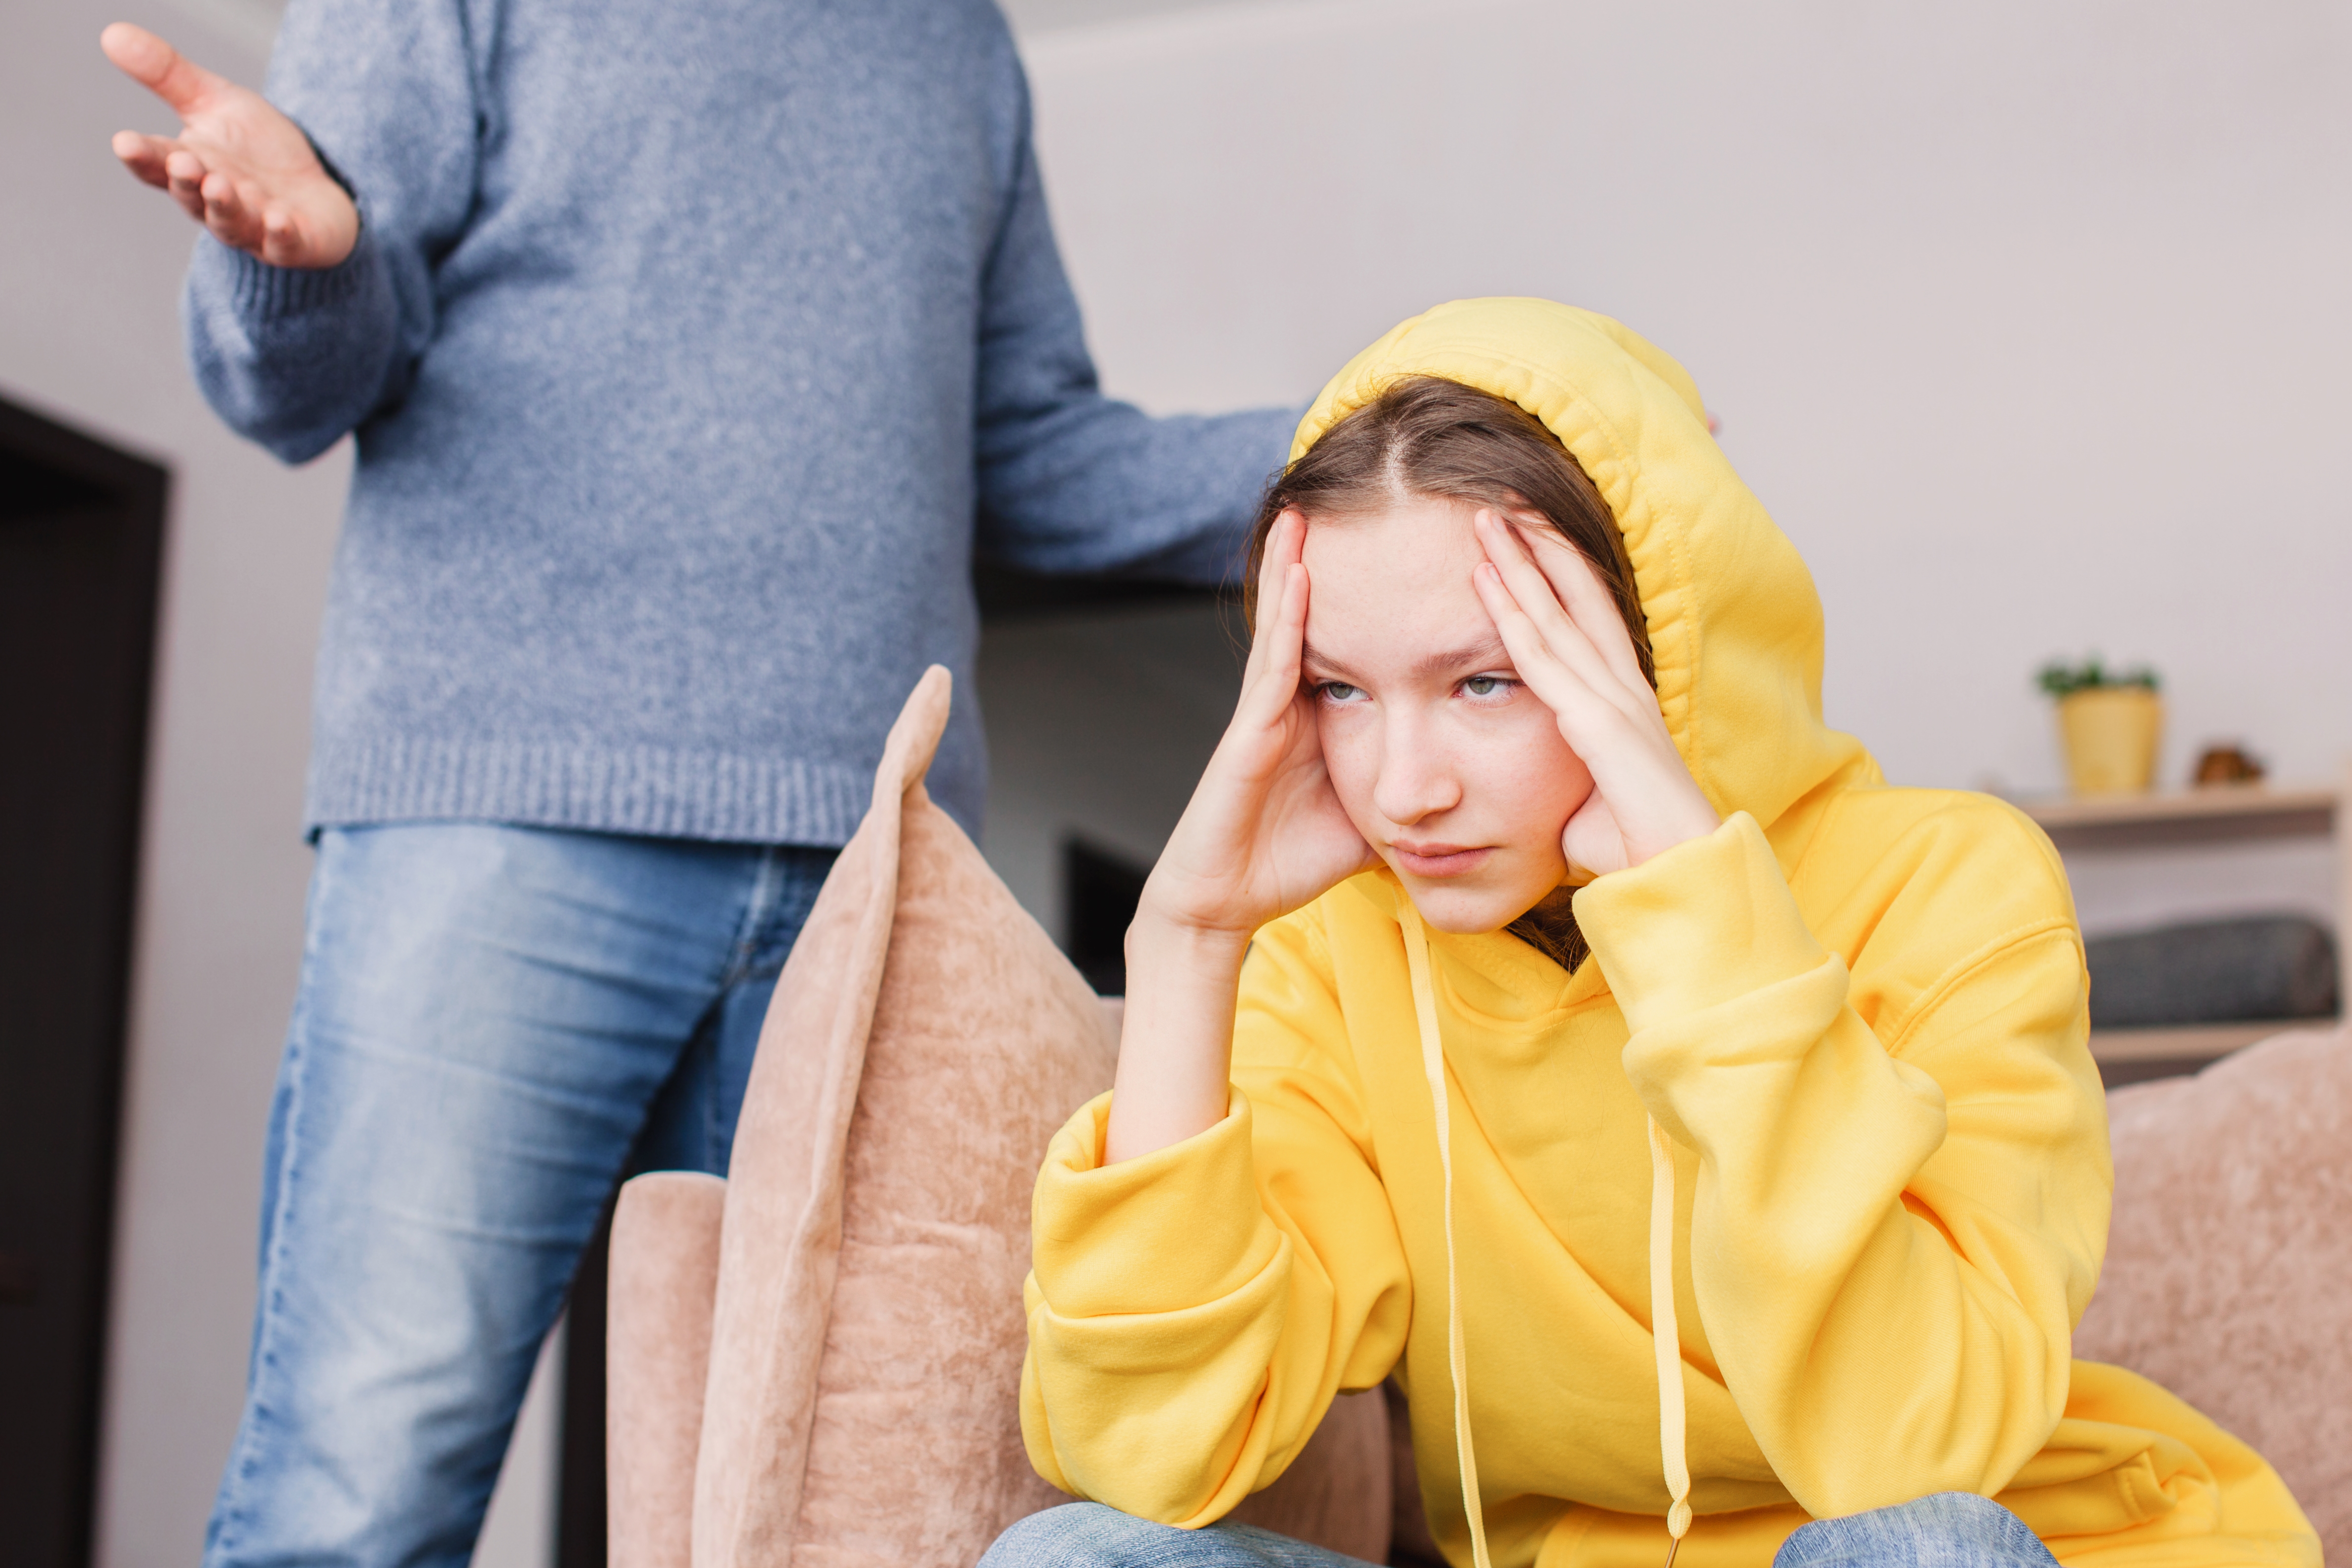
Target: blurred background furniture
2210, 814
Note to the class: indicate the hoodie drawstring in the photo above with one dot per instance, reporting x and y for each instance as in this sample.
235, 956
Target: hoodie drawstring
1663, 1338
1666, 1341
1433, 1062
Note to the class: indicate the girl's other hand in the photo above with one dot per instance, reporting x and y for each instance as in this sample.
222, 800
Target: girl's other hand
1570, 646
1264, 832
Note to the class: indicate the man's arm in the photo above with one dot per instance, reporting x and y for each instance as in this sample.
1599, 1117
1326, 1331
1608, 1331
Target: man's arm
309, 301
1072, 481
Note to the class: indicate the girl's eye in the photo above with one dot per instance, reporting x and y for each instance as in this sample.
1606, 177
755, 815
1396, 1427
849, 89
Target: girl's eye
1486, 686
1337, 692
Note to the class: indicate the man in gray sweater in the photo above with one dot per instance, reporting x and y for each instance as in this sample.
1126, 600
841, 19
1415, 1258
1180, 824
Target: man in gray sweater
692, 350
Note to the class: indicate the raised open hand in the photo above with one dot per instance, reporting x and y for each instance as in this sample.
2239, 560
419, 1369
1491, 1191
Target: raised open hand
1569, 645
238, 166
1264, 832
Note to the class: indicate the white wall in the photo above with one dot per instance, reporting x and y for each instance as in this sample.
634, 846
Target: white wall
2028, 321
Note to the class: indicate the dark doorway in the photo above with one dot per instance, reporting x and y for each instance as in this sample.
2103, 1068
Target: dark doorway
82, 534
1099, 892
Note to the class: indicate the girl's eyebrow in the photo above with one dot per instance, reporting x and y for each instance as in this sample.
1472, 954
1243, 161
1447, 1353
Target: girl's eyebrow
1309, 655
1487, 652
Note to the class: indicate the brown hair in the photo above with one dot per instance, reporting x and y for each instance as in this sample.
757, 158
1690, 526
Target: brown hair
1424, 436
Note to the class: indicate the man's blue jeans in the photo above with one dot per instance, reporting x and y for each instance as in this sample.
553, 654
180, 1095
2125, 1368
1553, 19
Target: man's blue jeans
490, 1019
1949, 1530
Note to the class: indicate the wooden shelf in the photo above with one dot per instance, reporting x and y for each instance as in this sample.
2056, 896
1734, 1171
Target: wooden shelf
2190, 1043
2210, 814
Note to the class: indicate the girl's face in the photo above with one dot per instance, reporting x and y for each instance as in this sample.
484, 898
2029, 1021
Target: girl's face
1450, 768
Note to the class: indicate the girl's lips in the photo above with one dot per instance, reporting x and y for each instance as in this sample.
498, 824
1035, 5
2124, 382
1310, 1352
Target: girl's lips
1440, 860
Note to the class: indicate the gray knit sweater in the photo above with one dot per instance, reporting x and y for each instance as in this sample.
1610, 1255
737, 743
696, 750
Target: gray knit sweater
693, 347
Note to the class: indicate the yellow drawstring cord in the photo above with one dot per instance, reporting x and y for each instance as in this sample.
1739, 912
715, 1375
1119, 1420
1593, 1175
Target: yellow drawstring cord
1433, 1062
1663, 1337
1665, 1340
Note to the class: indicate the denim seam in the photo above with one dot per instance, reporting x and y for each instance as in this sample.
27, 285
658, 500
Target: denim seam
269, 1298
767, 882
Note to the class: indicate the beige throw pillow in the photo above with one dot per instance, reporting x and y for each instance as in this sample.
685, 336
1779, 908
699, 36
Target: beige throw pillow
863, 1337
925, 1041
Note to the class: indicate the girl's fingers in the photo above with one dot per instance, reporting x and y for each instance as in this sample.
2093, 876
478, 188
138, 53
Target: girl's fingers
1532, 592
1558, 687
1592, 608
1281, 552
1275, 686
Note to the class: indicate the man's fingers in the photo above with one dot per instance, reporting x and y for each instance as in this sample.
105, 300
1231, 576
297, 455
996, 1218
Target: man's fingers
143, 156
281, 238
185, 171
224, 202
227, 215
184, 176
158, 67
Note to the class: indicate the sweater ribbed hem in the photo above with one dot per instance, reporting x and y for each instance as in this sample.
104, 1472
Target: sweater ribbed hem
644, 789
262, 292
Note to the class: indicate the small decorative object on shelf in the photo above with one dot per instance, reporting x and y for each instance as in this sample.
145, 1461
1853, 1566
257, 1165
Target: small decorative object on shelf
2231, 764
2110, 721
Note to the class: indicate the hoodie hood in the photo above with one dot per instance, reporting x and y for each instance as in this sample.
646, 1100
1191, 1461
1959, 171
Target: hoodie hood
1735, 623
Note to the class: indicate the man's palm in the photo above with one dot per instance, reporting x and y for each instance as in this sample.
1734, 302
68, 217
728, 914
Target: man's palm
238, 166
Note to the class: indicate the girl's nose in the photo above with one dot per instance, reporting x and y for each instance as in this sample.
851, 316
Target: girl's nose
1417, 779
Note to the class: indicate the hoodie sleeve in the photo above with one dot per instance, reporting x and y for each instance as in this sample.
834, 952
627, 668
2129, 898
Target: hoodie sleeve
1193, 1312
1891, 1239
1072, 481
294, 358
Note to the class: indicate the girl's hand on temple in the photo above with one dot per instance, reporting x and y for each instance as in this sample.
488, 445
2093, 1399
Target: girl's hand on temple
238, 166
1263, 835
1570, 646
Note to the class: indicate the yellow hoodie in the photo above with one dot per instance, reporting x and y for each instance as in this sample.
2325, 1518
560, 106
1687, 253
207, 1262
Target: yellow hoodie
1836, 1050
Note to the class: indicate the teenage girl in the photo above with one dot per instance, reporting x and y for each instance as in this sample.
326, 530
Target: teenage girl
1539, 1002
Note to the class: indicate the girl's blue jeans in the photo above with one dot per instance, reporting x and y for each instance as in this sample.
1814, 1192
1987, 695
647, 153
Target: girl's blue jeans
1949, 1530
490, 1019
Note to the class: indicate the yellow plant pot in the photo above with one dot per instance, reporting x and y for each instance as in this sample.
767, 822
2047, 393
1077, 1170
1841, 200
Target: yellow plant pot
2111, 734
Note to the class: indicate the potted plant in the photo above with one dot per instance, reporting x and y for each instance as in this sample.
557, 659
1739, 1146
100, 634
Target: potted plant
2110, 722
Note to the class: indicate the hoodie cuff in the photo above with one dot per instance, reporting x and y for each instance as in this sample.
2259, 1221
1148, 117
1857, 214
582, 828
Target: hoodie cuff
1176, 1228
262, 293
1692, 928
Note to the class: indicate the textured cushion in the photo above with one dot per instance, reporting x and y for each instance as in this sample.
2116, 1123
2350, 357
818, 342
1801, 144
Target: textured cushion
2229, 1269
925, 1041
663, 1277
865, 1332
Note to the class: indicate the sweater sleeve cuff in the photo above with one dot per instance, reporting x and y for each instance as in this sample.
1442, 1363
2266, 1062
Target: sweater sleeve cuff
260, 292
1176, 1228
1707, 921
